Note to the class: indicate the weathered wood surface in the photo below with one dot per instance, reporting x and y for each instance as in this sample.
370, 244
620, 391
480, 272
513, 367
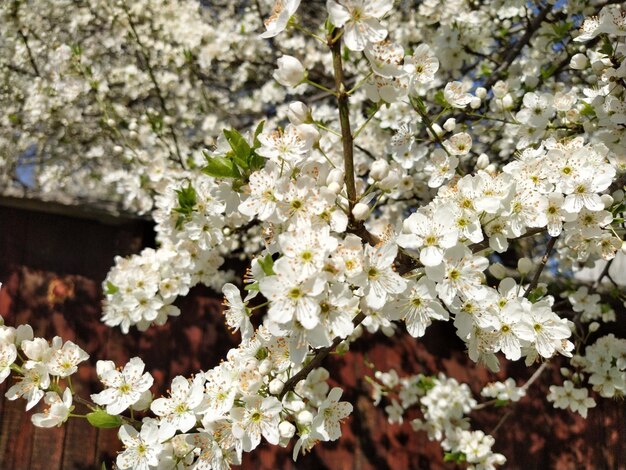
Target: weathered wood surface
38, 250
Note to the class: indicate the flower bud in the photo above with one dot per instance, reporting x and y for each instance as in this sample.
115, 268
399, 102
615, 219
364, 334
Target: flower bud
390, 182
286, 429
297, 405
298, 113
290, 71
524, 266
482, 161
276, 386
335, 175
607, 200
507, 101
379, 170
565, 372
579, 62
265, 367
593, 326
334, 187
450, 124
481, 92
497, 270
618, 196
436, 128
305, 417
360, 211
475, 102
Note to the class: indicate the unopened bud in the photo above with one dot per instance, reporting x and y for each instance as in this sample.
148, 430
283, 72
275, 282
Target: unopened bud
298, 113
286, 429
475, 102
482, 161
593, 326
437, 129
297, 405
607, 200
565, 372
524, 266
305, 417
379, 170
497, 270
290, 71
276, 386
360, 211
481, 92
450, 124
507, 101
390, 182
579, 62
265, 367
334, 187
618, 196
335, 175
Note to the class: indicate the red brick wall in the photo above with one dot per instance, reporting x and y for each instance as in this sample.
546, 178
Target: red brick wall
39, 250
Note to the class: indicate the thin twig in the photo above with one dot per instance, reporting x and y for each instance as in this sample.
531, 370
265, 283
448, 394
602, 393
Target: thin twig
320, 355
542, 265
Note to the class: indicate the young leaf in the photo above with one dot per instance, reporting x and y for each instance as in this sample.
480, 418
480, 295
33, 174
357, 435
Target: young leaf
221, 167
240, 146
257, 131
103, 420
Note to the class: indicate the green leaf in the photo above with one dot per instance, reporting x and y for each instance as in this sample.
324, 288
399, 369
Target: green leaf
500, 403
440, 100
255, 162
536, 294
221, 167
588, 111
257, 131
103, 420
111, 288
187, 197
426, 383
457, 457
103, 466
267, 265
607, 47
240, 147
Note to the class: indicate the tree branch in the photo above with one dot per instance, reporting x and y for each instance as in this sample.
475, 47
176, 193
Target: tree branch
334, 42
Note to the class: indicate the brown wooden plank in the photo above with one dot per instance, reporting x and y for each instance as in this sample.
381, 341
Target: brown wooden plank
79, 451
48, 446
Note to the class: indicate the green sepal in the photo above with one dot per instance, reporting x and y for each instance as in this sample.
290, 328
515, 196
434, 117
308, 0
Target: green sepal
267, 265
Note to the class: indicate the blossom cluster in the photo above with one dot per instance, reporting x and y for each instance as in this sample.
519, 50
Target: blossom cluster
444, 405
397, 196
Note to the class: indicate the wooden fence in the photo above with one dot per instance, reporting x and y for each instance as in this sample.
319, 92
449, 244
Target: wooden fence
52, 263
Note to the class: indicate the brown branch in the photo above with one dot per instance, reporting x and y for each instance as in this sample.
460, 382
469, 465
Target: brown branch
334, 42
514, 51
542, 265
320, 355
